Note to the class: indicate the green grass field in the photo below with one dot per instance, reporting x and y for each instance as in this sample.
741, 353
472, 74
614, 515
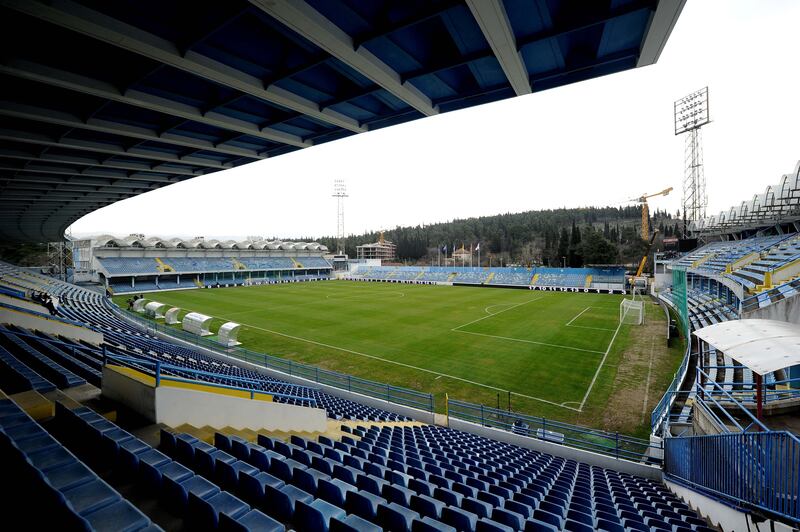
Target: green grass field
556, 352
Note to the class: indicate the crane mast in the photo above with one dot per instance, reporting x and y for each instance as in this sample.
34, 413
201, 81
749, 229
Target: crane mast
646, 210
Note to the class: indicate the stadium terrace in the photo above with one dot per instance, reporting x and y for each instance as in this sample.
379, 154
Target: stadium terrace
152, 383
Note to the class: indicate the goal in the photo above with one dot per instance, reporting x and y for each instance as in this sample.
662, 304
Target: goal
631, 312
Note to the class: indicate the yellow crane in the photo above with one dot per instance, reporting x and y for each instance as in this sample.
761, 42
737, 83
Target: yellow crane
646, 210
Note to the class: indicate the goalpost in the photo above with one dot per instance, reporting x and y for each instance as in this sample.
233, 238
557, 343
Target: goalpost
631, 312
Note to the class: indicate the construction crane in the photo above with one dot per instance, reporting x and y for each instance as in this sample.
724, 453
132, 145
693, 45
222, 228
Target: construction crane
646, 210
637, 282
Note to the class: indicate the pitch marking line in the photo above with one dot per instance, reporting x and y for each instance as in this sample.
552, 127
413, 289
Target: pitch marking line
406, 365
597, 373
569, 323
363, 296
531, 300
578, 316
486, 309
532, 342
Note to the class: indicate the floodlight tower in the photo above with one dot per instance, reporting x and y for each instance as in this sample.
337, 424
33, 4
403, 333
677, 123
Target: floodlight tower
339, 192
691, 114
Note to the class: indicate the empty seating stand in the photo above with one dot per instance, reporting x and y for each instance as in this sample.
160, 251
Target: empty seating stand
68, 495
425, 478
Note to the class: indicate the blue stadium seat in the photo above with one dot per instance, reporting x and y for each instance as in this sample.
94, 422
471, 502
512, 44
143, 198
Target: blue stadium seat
396, 518
253, 520
176, 494
428, 524
204, 513
282, 501
308, 479
252, 486
363, 504
427, 506
460, 519
334, 491
316, 515
488, 525
353, 523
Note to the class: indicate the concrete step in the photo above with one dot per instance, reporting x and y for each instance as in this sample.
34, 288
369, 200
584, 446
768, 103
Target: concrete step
35, 404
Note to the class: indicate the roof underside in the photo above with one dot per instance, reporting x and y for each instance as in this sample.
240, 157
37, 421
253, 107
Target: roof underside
106, 100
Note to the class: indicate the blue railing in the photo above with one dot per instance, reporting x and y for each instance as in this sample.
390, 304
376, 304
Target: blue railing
754, 470
660, 413
745, 393
598, 441
343, 381
157, 369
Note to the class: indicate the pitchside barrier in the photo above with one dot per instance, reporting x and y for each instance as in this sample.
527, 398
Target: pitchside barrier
611, 444
377, 390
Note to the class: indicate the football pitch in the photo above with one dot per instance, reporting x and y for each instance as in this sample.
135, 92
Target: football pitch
557, 353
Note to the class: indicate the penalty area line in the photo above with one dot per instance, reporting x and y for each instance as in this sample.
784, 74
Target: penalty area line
578, 316
402, 364
531, 300
532, 342
602, 361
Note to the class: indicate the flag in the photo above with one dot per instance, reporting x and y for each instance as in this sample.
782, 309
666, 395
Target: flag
478, 247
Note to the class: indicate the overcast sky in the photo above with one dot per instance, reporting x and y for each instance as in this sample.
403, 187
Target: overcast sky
597, 142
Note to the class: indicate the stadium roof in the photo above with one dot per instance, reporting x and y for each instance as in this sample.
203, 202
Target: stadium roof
105, 100
779, 203
763, 346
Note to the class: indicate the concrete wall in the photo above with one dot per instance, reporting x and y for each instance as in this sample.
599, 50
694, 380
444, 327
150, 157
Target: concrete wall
784, 310
44, 324
138, 396
634, 468
176, 406
722, 515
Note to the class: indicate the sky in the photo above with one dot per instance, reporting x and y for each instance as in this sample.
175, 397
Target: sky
594, 143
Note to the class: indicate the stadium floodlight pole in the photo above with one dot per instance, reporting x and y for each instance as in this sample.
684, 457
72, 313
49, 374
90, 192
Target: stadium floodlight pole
692, 113
339, 192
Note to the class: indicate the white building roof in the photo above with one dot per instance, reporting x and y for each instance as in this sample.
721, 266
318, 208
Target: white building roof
763, 346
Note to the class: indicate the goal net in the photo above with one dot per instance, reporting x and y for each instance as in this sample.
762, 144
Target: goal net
631, 312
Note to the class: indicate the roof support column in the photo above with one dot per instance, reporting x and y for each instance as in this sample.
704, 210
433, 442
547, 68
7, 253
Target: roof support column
759, 398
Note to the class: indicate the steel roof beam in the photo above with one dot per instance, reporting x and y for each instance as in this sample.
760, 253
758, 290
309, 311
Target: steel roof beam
658, 32
10, 153
544, 35
99, 26
493, 20
309, 23
78, 83
50, 116
16, 135
133, 176
54, 179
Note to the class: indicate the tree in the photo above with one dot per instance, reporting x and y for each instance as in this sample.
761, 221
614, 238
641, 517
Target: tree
574, 258
596, 249
563, 245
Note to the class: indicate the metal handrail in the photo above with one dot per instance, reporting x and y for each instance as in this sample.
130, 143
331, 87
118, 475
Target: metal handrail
613, 444
158, 367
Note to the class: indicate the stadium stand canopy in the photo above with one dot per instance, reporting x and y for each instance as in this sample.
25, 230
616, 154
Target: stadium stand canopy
777, 204
106, 100
762, 345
